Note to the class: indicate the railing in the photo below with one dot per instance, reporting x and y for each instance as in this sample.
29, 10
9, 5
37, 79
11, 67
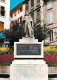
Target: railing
32, 8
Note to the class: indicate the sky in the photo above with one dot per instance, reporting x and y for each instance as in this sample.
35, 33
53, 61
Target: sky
14, 3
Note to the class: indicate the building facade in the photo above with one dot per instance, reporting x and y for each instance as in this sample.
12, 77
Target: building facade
50, 19
30, 7
17, 14
4, 14
41, 12
35, 9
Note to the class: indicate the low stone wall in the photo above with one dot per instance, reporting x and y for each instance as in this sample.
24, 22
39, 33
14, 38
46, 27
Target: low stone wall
4, 72
4, 79
5, 69
52, 70
52, 79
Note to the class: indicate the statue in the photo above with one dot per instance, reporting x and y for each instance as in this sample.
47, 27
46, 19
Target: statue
29, 26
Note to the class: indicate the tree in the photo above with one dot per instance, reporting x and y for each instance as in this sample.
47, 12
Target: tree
17, 33
41, 32
1, 41
14, 34
2, 38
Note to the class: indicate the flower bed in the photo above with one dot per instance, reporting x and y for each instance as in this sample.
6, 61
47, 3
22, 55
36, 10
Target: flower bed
6, 59
50, 56
50, 50
4, 50
51, 60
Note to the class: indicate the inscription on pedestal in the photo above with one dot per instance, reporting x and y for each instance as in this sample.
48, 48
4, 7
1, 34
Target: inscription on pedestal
28, 49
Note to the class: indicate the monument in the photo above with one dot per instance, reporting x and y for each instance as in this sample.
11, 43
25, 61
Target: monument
28, 61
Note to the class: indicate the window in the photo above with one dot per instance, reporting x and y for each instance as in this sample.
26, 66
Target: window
38, 1
32, 15
3, 0
1, 26
54, 34
18, 20
49, 5
27, 6
50, 38
47, 40
15, 22
38, 15
12, 23
50, 18
2, 12
15, 13
12, 15
18, 11
32, 3
21, 8
21, 18
51, 35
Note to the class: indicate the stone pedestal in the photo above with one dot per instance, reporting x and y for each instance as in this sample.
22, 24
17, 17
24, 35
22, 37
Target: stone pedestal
28, 61
29, 70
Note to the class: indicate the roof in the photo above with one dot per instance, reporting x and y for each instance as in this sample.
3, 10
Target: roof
17, 7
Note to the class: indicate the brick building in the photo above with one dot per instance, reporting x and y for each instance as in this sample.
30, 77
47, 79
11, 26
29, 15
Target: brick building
50, 19
17, 14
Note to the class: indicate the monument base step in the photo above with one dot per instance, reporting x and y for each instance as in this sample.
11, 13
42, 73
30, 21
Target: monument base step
28, 70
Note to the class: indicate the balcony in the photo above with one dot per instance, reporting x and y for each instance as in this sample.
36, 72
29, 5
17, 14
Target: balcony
32, 9
38, 6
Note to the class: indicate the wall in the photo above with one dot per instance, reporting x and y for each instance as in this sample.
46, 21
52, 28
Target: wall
5, 19
6, 70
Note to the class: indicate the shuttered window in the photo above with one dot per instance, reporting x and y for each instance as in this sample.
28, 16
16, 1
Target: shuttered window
15, 13
49, 5
22, 8
32, 15
18, 20
38, 1
38, 14
27, 6
54, 34
32, 3
51, 35
47, 40
18, 11
50, 18
1, 26
2, 11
